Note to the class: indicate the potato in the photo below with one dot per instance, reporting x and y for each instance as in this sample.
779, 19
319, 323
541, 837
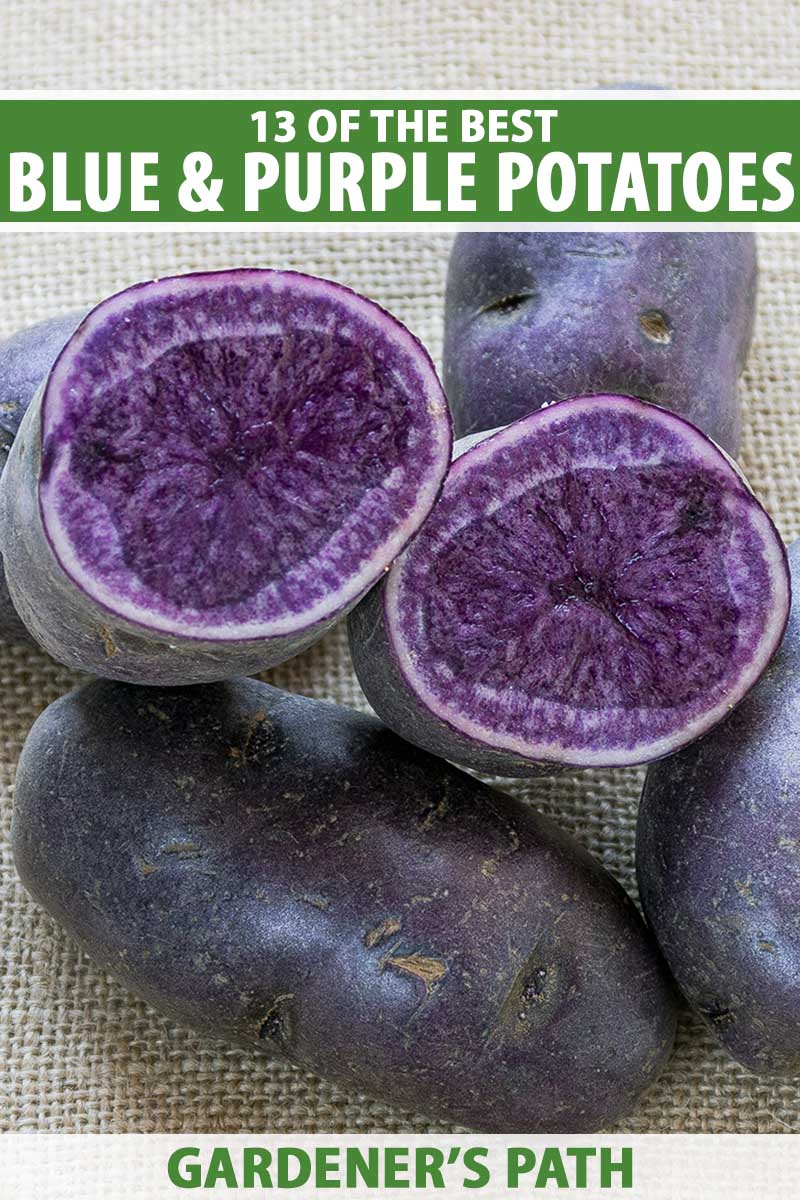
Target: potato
534, 317
25, 359
719, 867
291, 876
217, 468
596, 587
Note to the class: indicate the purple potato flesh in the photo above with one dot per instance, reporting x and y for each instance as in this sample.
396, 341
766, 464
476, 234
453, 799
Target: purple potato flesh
290, 876
25, 359
718, 860
535, 317
596, 587
217, 468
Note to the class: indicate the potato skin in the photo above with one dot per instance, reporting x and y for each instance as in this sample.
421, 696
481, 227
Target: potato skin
291, 876
718, 859
25, 361
535, 317
382, 681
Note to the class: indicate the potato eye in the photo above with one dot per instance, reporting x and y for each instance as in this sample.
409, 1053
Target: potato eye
656, 326
507, 304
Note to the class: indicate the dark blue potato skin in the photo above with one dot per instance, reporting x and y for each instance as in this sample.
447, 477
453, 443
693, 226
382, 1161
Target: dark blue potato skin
292, 877
535, 317
25, 361
718, 858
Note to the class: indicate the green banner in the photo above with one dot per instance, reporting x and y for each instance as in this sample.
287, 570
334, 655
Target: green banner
485, 161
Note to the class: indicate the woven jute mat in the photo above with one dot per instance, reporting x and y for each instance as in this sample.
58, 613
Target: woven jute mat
385, 44
78, 1051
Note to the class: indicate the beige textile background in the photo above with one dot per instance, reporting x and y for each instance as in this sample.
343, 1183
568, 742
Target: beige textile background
77, 1052
398, 43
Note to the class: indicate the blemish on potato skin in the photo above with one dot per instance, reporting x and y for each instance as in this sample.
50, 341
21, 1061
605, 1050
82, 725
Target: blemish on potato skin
745, 889
656, 327
719, 1016
506, 306
433, 814
351, 835
276, 1024
110, 647
319, 902
429, 970
321, 826
258, 740
437, 894
385, 929
533, 992
489, 866
602, 248
183, 850
531, 995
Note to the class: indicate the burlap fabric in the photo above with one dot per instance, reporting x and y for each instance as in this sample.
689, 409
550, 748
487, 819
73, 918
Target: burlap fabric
345, 44
78, 1052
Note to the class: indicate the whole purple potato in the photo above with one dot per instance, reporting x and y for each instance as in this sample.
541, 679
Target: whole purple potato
216, 469
535, 317
25, 359
718, 858
596, 587
290, 876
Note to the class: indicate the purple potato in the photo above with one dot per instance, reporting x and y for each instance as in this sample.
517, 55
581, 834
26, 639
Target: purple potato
596, 587
290, 876
718, 858
217, 468
25, 359
535, 317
